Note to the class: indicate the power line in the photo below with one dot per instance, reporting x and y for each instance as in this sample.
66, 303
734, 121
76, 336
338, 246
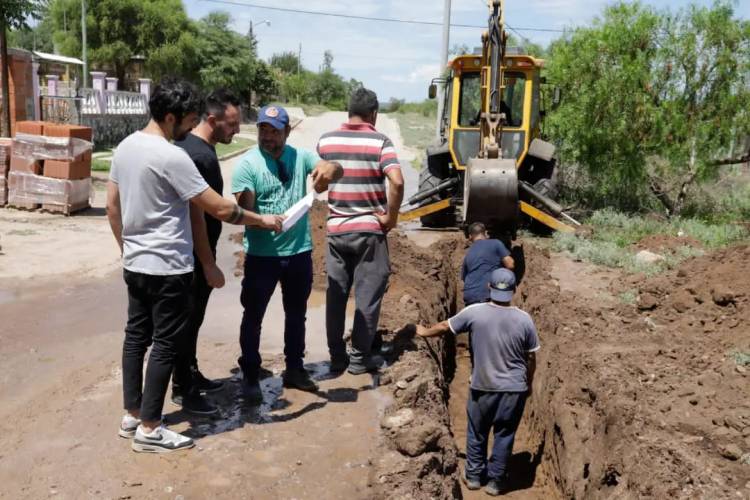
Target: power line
367, 18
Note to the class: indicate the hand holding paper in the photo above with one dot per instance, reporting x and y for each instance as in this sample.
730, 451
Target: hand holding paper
296, 211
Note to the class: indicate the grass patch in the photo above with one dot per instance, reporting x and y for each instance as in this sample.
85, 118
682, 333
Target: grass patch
614, 233
417, 131
237, 144
98, 165
309, 109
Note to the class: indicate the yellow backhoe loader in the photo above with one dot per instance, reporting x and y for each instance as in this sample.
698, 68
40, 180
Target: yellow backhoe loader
490, 164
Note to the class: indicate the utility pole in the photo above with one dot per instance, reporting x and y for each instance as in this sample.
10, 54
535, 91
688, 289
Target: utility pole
299, 58
85, 76
443, 63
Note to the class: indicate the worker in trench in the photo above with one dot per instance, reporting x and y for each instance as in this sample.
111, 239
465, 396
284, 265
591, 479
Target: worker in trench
504, 340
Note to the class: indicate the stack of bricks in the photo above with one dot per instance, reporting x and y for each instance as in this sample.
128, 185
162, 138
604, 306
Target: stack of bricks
4, 166
53, 181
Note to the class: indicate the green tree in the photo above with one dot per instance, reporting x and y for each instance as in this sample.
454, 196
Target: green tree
286, 62
651, 101
38, 37
327, 61
228, 59
117, 30
13, 15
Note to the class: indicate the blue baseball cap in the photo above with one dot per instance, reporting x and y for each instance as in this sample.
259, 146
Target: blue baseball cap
502, 285
276, 116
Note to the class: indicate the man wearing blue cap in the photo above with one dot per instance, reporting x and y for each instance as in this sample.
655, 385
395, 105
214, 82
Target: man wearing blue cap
271, 178
504, 341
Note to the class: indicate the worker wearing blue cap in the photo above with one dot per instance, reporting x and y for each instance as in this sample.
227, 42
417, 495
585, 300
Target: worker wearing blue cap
271, 178
504, 340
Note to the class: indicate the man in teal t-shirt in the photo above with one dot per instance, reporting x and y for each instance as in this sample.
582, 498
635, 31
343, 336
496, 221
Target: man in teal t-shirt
269, 180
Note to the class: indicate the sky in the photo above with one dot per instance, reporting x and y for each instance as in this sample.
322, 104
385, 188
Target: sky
399, 60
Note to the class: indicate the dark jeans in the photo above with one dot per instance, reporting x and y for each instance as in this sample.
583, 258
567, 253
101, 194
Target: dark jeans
187, 360
361, 260
501, 413
158, 312
262, 274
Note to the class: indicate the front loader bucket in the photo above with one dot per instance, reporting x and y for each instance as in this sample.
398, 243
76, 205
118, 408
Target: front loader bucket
491, 193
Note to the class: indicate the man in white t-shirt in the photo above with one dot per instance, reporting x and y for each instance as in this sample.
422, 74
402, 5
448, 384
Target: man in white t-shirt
151, 185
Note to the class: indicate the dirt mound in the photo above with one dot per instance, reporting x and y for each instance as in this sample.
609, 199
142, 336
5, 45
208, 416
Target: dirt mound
667, 244
645, 400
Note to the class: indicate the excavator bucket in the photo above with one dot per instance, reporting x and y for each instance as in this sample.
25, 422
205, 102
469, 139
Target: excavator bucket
491, 192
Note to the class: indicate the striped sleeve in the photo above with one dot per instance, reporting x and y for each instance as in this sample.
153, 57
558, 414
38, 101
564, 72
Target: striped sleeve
388, 158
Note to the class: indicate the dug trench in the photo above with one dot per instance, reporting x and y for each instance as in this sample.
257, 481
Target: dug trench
644, 399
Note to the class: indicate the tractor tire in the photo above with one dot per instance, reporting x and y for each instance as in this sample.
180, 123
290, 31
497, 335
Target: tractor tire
443, 218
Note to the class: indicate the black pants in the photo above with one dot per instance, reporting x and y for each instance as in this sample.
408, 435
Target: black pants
187, 360
158, 313
262, 274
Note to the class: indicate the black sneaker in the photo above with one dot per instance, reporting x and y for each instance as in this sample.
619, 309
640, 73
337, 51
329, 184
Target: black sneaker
338, 364
196, 404
369, 364
473, 483
251, 392
496, 487
204, 384
299, 379
176, 396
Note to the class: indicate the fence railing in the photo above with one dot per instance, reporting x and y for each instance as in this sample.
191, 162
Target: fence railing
58, 109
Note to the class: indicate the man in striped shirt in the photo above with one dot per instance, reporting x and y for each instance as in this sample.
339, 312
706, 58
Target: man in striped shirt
361, 212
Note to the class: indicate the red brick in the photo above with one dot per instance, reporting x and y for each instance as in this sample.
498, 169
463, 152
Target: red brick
78, 131
22, 164
64, 169
30, 127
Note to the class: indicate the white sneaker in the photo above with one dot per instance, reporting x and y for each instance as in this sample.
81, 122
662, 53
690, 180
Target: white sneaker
161, 440
128, 426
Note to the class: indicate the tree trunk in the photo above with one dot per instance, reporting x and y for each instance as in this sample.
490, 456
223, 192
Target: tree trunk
4, 76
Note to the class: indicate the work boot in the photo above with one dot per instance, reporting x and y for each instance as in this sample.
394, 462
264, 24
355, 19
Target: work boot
338, 363
197, 404
298, 378
204, 384
497, 486
251, 392
368, 364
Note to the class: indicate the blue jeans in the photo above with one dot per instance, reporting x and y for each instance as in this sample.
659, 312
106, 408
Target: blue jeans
262, 274
501, 413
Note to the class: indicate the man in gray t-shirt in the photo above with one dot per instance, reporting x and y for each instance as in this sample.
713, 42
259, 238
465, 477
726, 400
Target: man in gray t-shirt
504, 341
151, 185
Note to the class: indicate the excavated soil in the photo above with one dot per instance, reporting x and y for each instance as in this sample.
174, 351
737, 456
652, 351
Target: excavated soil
631, 400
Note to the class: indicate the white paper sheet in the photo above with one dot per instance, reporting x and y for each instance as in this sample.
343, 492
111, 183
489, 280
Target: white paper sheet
296, 211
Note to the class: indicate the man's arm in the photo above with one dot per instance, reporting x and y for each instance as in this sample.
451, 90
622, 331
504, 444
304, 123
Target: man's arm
228, 211
395, 198
114, 213
214, 276
324, 173
509, 263
531, 367
434, 330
